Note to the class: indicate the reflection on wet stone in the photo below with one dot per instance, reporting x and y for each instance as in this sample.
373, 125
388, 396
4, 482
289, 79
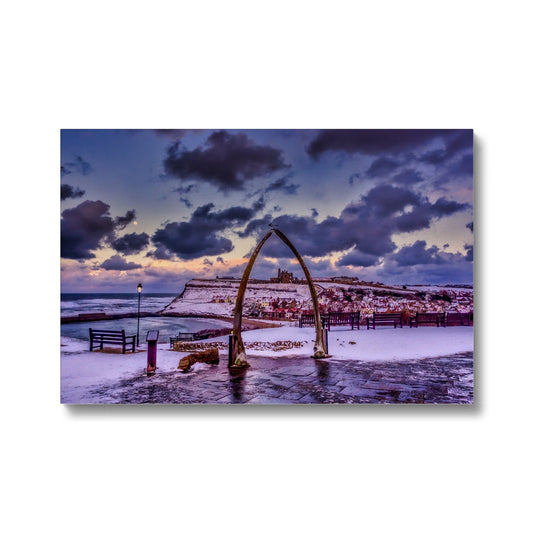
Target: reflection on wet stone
303, 380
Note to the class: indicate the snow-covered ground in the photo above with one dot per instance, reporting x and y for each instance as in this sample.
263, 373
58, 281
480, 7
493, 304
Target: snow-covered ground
381, 344
82, 370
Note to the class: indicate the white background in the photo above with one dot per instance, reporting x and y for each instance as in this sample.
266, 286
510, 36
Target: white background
280, 65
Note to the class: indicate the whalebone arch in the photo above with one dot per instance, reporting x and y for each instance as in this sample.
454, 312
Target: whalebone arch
238, 351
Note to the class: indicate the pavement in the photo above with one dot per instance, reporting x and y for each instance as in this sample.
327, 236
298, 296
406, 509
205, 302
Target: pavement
303, 380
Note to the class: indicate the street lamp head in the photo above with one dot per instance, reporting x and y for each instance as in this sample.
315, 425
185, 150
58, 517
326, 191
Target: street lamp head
139, 288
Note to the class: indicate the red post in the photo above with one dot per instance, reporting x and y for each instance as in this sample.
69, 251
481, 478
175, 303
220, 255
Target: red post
151, 339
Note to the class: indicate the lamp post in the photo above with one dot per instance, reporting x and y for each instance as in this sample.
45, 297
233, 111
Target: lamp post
139, 289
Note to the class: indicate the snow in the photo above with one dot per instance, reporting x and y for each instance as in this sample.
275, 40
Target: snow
382, 344
82, 370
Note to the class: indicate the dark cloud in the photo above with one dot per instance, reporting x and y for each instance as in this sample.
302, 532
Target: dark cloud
221, 260
283, 184
78, 166
407, 176
65, 171
464, 166
443, 207
421, 215
470, 226
353, 177
368, 225
314, 212
67, 191
161, 253
186, 201
375, 142
381, 167
257, 226
172, 134
418, 254
200, 235
444, 268
356, 259
131, 243
418, 263
226, 161
386, 199
455, 143
185, 189
122, 222
434, 157
117, 262
86, 227
469, 252
259, 204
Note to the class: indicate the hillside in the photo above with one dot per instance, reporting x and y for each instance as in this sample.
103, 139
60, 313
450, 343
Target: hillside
216, 297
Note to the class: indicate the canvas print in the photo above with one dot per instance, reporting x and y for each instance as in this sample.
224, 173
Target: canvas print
267, 266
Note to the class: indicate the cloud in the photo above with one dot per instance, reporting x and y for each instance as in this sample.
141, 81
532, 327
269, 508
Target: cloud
418, 254
455, 159
375, 142
86, 227
172, 134
368, 225
259, 204
443, 207
186, 201
65, 171
226, 161
282, 184
122, 222
470, 226
67, 191
78, 166
385, 200
357, 259
256, 226
117, 262
407, 176
185, 189
131, 243
383, 166
418, 263
201, 234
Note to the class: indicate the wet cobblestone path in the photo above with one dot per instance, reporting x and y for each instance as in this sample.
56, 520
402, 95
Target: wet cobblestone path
303, 380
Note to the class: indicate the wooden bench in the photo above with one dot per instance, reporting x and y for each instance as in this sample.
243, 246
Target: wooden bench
384, 319
427, 318
332, 319
343, 319
459, 319
180, 337
106, 336
306, 319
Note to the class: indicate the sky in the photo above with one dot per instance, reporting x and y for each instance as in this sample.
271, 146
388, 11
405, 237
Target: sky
160, 207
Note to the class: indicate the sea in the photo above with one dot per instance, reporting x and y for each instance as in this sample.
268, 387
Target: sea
73, 304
